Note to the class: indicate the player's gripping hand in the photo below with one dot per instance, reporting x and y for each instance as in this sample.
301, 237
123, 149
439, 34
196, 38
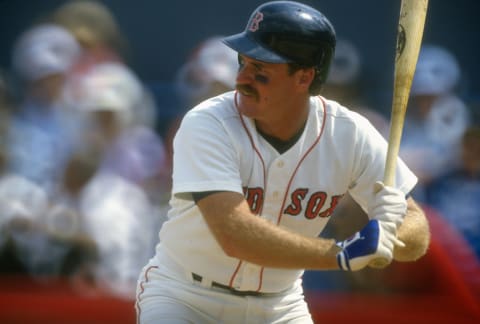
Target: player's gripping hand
389, 204
375, 240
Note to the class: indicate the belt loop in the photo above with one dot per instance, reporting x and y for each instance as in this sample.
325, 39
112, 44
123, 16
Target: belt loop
202, 281
207, 283
189, 276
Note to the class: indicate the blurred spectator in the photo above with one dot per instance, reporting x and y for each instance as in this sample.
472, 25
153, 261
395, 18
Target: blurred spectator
122, 205
110, 225
41, 132
95, 28
110, 100
456, 194
39, 239
22, 203
65, 215
97, 31
436, 117
119, 217
210, 70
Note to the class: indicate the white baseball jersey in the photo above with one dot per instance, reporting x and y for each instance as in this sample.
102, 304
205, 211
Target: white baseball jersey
217, 149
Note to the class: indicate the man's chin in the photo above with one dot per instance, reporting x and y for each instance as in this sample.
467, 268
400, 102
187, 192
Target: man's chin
247, 110
247, 104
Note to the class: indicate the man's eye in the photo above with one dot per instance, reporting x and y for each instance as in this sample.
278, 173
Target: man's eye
261, 78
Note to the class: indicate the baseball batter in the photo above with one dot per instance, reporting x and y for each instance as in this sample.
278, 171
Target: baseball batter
257, 173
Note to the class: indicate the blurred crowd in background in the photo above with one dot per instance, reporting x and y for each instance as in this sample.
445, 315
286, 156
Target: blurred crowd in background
86, 146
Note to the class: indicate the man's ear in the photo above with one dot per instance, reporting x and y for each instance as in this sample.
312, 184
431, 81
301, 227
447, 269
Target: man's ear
306, 77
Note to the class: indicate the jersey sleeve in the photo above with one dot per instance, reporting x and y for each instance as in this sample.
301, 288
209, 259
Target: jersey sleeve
204, 157
371, 151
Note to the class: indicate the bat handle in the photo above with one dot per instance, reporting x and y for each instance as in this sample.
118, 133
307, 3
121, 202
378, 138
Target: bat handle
380, 263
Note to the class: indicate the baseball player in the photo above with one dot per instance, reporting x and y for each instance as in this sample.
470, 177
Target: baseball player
257, 173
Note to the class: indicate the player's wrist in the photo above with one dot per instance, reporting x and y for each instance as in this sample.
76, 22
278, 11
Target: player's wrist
343, 261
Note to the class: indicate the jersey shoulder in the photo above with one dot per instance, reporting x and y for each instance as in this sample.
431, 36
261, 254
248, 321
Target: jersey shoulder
220, 107
340, 114
210, 119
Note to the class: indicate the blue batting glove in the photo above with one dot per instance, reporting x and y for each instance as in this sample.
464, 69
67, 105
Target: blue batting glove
375, 240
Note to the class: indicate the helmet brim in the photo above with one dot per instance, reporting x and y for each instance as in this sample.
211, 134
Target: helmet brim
244, 45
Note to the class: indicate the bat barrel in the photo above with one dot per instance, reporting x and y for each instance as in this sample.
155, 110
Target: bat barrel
409, 38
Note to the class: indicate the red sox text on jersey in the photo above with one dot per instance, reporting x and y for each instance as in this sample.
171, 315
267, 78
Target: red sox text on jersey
301, 202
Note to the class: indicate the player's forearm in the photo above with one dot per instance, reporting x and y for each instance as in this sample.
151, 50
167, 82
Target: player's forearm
414, 232
276, 247
253, 239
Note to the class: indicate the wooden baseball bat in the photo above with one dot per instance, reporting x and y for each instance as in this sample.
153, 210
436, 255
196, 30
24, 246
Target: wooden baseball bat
409, 38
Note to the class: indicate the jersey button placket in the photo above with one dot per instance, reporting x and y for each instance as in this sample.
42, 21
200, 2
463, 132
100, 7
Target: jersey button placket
276, 194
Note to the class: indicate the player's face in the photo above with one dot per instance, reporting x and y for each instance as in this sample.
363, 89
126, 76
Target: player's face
266, 91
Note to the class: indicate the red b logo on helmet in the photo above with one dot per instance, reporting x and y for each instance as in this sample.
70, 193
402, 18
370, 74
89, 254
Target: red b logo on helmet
255, 23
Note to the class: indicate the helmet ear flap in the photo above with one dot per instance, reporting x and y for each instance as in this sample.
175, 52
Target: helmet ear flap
321, 72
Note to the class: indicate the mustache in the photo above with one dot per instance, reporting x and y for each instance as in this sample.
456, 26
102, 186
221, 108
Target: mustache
247, 90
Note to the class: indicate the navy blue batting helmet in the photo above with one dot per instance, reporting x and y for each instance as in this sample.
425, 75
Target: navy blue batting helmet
287, 32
